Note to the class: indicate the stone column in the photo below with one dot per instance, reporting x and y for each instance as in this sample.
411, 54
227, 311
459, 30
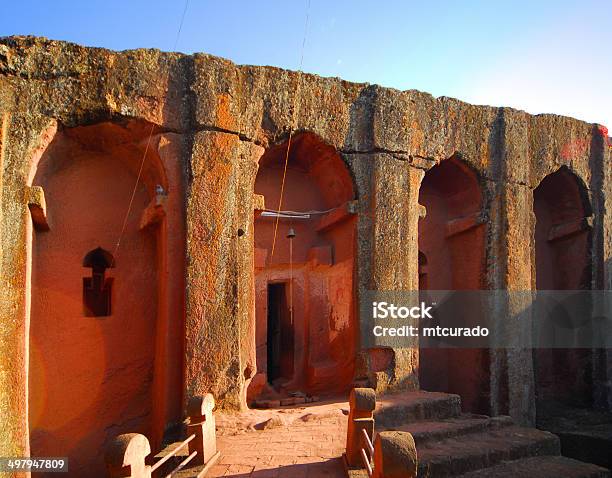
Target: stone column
22, 142
518, 208
512, 367
601, 187
395, 211
219, 267
387, 253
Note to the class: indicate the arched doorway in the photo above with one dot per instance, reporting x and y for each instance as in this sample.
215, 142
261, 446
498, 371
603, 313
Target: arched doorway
305, 302
563, 262
451, 257
98, 310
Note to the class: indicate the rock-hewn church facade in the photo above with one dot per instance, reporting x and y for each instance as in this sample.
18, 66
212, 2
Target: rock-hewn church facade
111, 321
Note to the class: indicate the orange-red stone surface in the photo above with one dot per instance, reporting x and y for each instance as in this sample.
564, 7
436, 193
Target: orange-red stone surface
192, 318
292, 442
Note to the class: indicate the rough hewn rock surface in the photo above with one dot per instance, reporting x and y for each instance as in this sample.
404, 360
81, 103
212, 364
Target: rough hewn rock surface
228, 115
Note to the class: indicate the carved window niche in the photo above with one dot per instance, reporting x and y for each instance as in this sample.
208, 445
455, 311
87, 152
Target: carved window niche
97, 289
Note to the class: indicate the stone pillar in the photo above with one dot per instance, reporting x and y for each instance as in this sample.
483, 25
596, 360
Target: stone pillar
362, 403
388, 254
519, 242
395, 455
22, 142
202, 424
219, 307
125, 456
601, 187
395, 212
512, 367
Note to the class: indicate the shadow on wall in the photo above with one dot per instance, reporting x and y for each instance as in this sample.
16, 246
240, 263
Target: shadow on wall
97, 311
305, 293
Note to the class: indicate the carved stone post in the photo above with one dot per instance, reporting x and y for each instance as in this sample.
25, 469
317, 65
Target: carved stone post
125, 456
362, 403
395, 455
202, 424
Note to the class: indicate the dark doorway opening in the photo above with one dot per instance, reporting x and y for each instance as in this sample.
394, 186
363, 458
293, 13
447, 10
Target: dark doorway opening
280, 335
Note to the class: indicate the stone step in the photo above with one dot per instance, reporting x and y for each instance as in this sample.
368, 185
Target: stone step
198, 471
592, 444
476, 451
428, 431
585, 433
192, 472
541, 467
393, 411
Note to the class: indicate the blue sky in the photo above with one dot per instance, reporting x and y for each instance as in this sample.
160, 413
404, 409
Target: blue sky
541, 56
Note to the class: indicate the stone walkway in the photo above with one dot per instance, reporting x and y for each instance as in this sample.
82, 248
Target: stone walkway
293, 442
307, 441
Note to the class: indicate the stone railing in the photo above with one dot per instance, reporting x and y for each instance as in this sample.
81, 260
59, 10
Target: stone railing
392, 454
126, 455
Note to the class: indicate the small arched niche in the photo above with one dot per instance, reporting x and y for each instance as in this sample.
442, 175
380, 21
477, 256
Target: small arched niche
305, 311
451, 257
563, 261
98, 289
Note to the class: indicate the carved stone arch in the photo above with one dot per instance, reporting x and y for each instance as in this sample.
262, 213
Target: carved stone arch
307, 285
452, 237
563, 261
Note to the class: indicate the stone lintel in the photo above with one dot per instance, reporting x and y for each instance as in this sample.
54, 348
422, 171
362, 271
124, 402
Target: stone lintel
38, 208
336, 216
569, 228
153, 213
422, 211
259, 204
463, 224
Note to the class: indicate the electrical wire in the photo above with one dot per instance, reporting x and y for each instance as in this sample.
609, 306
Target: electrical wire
291, 128
144, 156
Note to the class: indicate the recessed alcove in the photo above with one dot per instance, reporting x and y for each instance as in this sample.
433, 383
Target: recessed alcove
451, 257
563, 262
92, 379
305, 311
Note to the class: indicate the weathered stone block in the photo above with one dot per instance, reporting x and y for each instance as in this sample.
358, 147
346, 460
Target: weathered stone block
38, 208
